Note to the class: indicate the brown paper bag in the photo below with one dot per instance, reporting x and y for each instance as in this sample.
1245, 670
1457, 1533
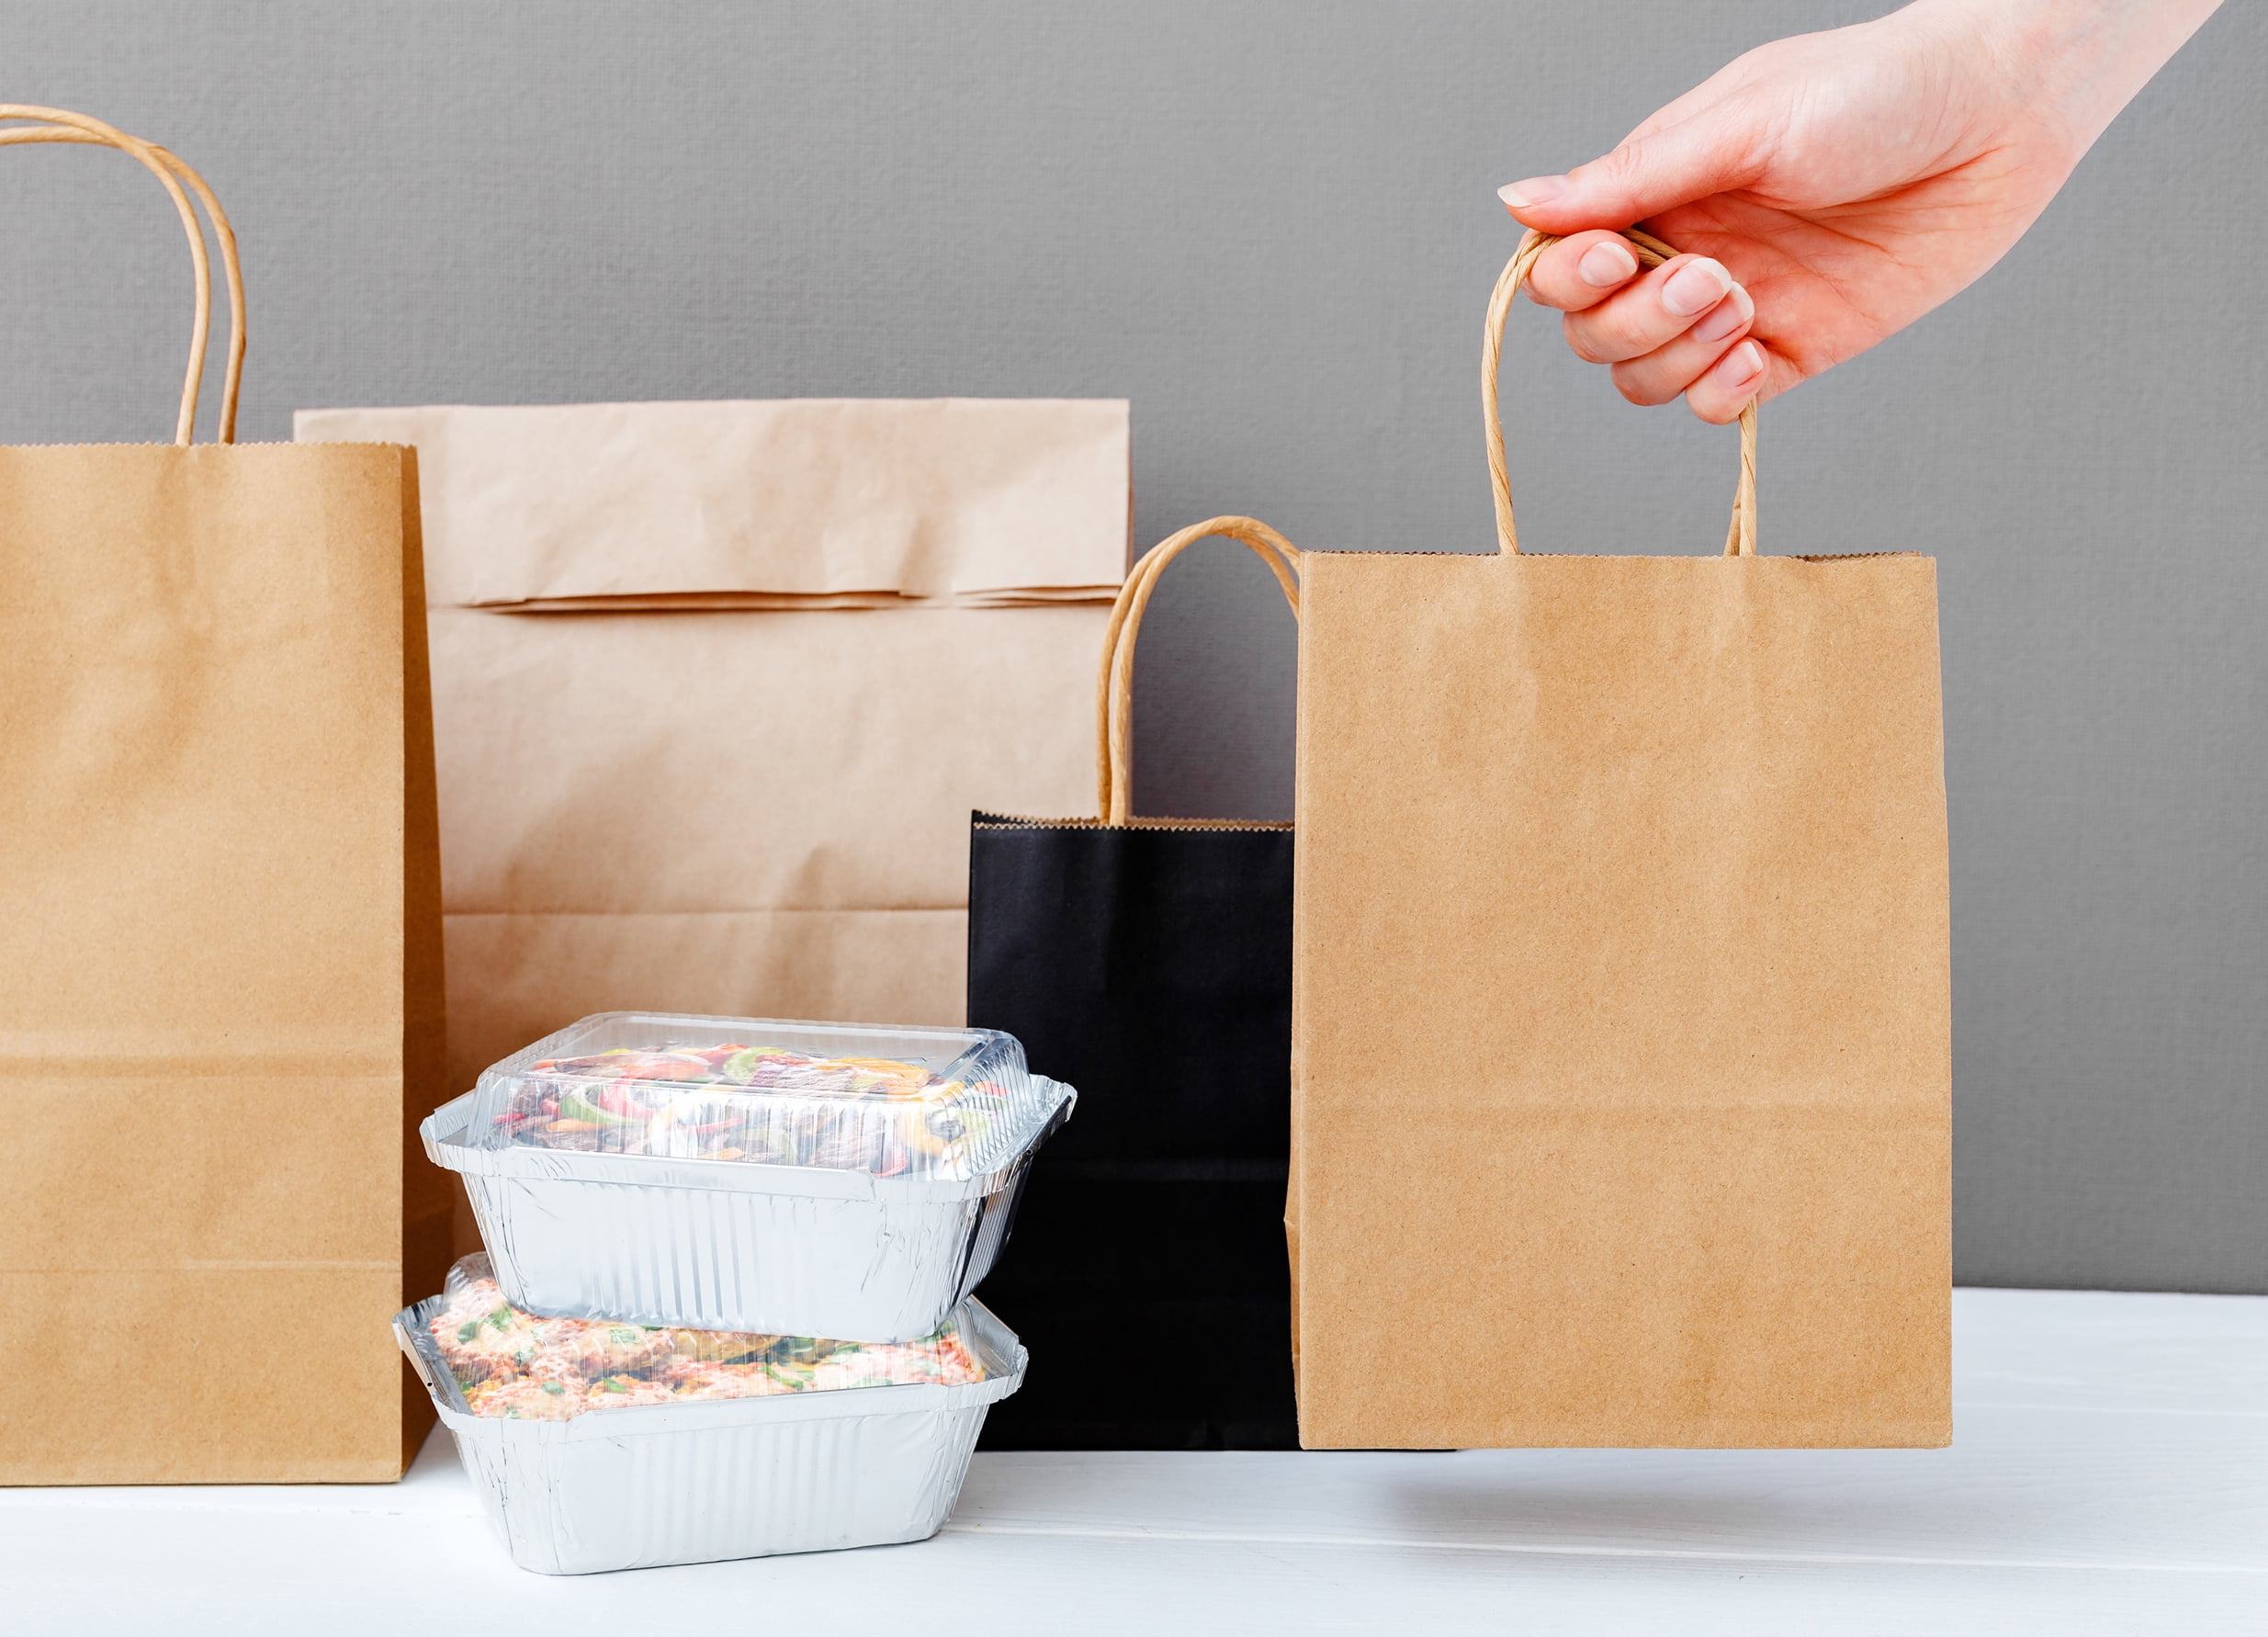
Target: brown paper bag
717, 687
1621, 997
221, 989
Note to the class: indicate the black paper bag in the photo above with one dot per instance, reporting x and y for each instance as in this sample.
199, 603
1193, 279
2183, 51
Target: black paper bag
1148, 963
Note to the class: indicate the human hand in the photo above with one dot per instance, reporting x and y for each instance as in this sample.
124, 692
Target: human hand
1831, 188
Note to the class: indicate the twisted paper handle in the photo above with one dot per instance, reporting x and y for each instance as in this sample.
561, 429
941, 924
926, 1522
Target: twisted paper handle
1115, 684
1739, 538
60, 125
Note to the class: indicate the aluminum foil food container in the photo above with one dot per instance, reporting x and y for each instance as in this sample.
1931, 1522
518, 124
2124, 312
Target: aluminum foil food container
802, 1179
584, 1473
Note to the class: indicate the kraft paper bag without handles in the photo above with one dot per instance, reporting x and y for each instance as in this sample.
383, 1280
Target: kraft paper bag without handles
717, 685
1148, 962
221, 989
1621, 1064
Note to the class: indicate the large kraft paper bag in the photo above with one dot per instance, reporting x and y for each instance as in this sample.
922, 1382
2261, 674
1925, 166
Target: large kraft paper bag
220, 988
1621, 1063
717, 687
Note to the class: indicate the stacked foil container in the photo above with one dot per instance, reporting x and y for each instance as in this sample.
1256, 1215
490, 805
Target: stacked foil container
711, 1189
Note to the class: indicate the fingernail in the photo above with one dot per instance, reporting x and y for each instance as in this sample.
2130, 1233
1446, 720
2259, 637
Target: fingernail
1728, 315
1536, 190
1607, 261
1744, 363
1695, 288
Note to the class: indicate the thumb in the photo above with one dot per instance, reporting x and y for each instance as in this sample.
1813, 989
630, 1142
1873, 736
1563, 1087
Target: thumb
1647, 174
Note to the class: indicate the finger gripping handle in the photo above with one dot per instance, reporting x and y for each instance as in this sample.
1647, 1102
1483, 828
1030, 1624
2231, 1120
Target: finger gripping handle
1739, 538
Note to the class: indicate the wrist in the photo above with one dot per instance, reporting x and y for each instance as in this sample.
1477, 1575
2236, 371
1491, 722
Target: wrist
2070, 64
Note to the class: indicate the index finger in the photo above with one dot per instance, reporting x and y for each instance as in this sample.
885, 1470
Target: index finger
1582, 270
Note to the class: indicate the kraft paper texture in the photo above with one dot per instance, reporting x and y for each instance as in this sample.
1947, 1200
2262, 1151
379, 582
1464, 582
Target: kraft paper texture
717, 687
807, 497
220, 988
1621, 1018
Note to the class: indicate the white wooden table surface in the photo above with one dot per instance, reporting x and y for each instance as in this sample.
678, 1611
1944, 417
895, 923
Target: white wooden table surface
2109, 1474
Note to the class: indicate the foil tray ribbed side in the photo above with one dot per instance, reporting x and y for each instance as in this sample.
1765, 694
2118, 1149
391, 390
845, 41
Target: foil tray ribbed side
874, 1270
698, 1496
792, 1250
700, 1483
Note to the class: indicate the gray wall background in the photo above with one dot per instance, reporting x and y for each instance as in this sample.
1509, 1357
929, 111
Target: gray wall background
1271, 226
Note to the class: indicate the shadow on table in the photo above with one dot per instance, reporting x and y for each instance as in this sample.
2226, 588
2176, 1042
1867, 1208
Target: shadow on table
1898, 1502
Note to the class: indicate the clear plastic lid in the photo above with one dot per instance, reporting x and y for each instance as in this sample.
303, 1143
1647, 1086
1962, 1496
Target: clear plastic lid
511, 1365
891, 1102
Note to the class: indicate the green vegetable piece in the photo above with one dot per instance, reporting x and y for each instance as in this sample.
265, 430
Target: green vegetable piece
467, 1331
554, 1388
574, 1106
501, 1317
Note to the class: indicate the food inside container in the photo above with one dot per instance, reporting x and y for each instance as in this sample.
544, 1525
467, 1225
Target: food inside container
663, 1445
889, 1102
745, 1174
513, 1365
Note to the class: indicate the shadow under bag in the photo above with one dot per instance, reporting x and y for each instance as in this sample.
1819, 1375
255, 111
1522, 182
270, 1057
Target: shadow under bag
1147, 962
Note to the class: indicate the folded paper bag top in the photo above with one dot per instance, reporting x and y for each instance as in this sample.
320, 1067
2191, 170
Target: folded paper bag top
1622, 1106
798, 498
716, 686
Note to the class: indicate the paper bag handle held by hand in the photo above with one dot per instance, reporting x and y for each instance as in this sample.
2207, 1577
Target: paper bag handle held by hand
59, 125
1114, 684
1740, 539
